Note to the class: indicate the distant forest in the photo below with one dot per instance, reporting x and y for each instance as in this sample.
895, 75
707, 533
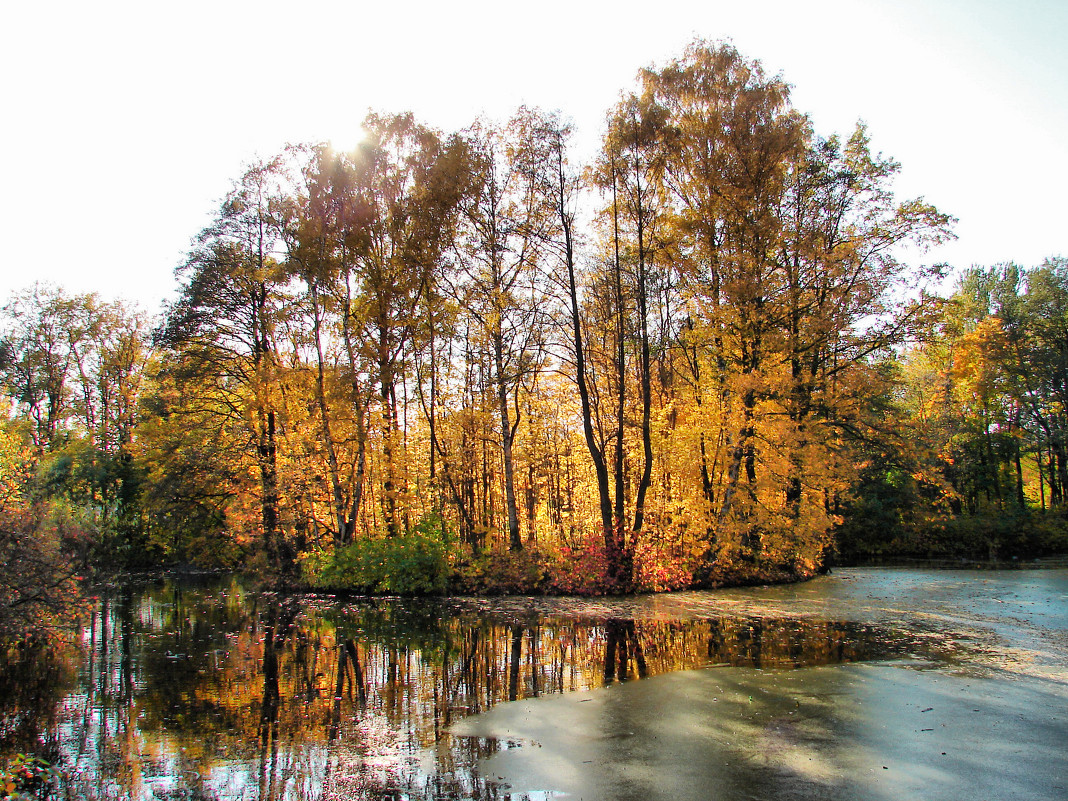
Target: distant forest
463, 362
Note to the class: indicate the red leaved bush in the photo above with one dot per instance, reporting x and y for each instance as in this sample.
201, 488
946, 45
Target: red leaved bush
657, 569
590, 569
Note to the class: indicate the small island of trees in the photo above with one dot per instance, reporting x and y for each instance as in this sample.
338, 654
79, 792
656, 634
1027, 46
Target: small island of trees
462, 362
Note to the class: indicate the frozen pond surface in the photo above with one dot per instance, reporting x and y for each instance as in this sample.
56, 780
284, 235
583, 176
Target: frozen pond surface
848, 732
865, 684
981, 714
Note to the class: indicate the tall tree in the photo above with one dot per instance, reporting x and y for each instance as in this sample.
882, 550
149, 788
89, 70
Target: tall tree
565, 185
631, 156
44, 329
845, 295
73, 365
327, 222
731, 136
222, 327
787, 248
507, 222
1035, 326
409, 183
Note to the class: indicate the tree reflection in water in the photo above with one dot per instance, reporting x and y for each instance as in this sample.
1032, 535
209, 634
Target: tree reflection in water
213, 692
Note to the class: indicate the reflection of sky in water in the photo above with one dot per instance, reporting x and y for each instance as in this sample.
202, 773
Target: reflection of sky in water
212, 693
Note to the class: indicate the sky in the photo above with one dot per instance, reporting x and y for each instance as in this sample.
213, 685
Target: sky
123, 123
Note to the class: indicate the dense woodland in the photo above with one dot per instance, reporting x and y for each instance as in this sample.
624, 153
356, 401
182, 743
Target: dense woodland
465, 362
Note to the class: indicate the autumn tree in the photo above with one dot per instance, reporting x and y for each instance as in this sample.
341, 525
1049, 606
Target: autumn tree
849, 299
44, 329
37, 586
565, 188
500, 285
326, 223
372, 343
73, 366
220, 335
626, 173
786, 257
973, 404
409, 181
1029, 343
730, 136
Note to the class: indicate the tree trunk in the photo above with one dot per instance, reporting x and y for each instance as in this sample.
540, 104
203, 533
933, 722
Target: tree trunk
596, 452
389, 490
515, 542
267, 453
621, 365
324, 419
647, 393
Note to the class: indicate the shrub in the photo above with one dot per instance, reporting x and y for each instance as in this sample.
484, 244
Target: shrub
590, 569
415, 563
656, 569
1010, 535
501, 573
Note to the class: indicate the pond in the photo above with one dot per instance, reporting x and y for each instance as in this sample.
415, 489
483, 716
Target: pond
863, 684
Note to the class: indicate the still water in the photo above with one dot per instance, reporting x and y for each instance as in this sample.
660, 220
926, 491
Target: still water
184, 690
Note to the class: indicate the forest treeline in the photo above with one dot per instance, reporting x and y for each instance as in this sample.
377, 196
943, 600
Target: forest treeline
464, 361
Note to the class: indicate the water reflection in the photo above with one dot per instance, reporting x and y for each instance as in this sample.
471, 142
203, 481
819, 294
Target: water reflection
35, 675
213, 692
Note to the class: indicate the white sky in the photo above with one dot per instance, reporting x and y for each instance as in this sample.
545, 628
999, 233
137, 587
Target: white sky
123, 122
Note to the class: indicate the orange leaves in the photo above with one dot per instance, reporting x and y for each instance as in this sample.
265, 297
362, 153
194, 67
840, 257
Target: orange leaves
978, 362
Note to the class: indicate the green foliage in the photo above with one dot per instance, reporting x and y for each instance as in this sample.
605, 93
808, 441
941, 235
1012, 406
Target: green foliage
194, 541
888, 522
414, 563
986, 537
876, 515
71, 367
502, 573
95, 497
